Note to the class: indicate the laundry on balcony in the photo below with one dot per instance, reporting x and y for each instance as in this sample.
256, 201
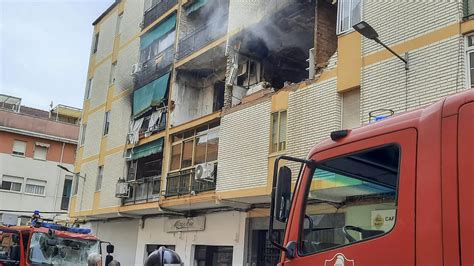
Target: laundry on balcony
195, 6
152, 94
134, 135
145, 150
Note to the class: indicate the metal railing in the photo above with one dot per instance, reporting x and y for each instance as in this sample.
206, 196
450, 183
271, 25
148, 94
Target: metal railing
200, 37
144, 189
157, 11
183, 182
64, 203
155, 67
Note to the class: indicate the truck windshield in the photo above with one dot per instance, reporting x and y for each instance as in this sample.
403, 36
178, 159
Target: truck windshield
9, 247
45, 250
351, 198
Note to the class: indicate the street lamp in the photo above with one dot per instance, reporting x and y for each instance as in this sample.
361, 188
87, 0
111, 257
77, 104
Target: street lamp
368, 32
69, 171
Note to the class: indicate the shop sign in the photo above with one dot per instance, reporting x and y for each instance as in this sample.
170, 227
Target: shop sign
185, 224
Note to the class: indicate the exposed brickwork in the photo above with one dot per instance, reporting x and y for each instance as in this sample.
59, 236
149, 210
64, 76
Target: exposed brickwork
325, 38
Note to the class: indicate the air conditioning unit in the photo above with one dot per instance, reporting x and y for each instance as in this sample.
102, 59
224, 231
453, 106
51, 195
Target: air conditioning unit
122, 189
204, 172
136, 68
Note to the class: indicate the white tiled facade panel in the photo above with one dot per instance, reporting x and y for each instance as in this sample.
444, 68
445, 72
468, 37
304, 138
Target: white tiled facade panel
244, 148
436, 71
127, 56
401, 20
313, 113
114, 168
119, 122
94, 133
106, 36
132, 17
89, 170
100, 84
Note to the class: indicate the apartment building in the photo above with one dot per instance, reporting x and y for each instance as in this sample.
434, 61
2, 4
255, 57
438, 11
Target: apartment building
32, 144
189, 103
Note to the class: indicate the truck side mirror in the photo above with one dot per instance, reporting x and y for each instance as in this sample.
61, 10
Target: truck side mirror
283, 194
110, 248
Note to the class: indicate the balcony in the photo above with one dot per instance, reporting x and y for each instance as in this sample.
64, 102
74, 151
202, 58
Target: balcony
157, 11
144, 190
201, 37
160, 125
155, 67
183, 182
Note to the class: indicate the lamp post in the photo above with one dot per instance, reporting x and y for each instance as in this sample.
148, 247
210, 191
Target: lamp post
368, 32
77, 175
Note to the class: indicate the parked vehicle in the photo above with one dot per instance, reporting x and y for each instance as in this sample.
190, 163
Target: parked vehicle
45, 243
394, 192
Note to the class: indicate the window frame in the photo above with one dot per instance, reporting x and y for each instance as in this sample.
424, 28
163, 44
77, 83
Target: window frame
13, 148
99, 179
112, 75
45, 155
278, 129
75, 185
10, 190
118, 26
106, 123
35, 194
83, 135
88, 91
192, 138
308, 187
469, 50
95, 43
339, 14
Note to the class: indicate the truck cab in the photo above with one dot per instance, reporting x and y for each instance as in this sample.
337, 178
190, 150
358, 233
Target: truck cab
394, 192
47, 245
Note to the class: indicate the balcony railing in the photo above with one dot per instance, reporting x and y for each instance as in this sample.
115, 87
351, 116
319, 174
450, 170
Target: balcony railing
144, 189
155, 67
157, 11
199, 38
183, 182
64, 203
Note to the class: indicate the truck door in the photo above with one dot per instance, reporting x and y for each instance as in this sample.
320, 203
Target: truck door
466, 182
358, 205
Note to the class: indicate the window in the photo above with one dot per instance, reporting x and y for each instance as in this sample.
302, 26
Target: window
195, 147
106, 123
348, 14
66, 192
11, 183
166, 41
41, 150
278, 134
34, 186
83, 134
119, 24
89, 88
112, 73
19, 148
470, 60
75, 188
213, 255
355, 199
95, 44
100, 175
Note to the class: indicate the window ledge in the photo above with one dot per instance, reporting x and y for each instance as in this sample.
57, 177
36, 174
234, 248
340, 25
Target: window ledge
10, 191
17, 155
276, 153
37, 195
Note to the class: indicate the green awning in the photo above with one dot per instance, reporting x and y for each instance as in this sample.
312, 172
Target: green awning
195, 6
159, 31
145, 150
150, 95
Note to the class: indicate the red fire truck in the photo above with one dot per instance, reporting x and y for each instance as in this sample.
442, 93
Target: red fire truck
48, 244
394, 192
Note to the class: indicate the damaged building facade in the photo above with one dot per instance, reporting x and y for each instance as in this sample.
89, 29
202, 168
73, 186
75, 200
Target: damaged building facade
189, 102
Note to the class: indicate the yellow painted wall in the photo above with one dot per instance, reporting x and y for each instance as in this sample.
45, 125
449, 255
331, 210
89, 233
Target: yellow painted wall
349, 61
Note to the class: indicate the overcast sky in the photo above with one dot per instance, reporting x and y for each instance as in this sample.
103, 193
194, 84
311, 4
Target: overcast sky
44, 49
